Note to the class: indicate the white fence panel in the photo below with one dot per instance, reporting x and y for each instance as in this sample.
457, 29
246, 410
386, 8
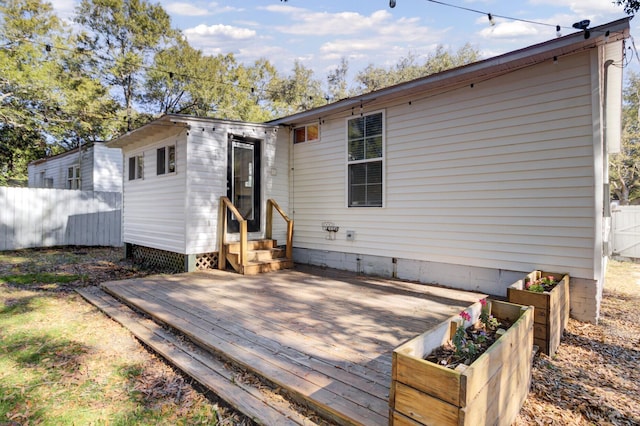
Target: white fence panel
40, 217
625, 224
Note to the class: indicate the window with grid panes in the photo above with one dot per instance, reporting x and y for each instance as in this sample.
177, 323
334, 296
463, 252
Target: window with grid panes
365, 146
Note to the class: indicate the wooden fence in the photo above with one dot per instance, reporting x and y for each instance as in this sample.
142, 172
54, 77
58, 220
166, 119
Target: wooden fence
625, 231
40, 217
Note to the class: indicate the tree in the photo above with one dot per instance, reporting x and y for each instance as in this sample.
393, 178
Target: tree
624, 167
630, 6
337, 81
297, 92
124, 35
408, 68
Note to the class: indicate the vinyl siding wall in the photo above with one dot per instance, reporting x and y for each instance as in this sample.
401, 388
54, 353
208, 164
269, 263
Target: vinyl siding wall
154, 207
499, 175
207, 180
56, 168
107, 170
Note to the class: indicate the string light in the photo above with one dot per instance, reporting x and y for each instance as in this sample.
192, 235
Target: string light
491, 16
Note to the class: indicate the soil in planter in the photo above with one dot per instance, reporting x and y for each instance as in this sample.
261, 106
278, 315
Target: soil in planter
478, 337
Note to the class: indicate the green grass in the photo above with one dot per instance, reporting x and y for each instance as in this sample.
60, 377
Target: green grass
40, 278
64, 363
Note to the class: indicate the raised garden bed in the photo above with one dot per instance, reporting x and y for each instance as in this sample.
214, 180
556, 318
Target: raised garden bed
551, 308
489, 391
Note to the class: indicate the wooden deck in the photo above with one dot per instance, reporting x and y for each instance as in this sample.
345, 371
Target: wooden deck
324, 336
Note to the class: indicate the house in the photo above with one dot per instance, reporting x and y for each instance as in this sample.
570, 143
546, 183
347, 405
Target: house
91, 167
467, 178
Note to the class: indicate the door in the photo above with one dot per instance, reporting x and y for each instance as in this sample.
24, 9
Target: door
243, 182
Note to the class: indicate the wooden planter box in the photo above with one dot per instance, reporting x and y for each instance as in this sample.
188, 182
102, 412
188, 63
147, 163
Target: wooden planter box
551, 309
489, 391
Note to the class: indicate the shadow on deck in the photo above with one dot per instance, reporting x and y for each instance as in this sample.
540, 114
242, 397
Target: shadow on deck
324, 337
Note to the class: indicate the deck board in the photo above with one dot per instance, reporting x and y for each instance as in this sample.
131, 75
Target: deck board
328, 339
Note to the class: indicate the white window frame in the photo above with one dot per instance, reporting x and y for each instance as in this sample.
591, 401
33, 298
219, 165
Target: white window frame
382, 159
306, 133
166, 169
74, 180
138, 167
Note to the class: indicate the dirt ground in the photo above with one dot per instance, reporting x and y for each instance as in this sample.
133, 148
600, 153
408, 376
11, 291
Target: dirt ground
593, 379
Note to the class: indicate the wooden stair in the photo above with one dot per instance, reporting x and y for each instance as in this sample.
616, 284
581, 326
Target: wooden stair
262, 256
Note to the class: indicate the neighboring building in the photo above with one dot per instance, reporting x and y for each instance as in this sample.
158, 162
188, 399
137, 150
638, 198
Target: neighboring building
93, 167
467, 178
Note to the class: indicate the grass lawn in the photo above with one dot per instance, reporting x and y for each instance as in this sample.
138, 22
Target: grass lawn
62, 362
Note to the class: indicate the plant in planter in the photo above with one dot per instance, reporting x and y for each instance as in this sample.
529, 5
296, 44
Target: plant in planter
540, 285
549, 294
468, 342
488, 390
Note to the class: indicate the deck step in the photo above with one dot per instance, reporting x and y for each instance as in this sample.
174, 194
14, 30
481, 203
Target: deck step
262, 256
201, 365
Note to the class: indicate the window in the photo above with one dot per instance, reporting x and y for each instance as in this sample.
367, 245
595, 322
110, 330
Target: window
306, 133
73, 177
166, 160
45, 182
365, 160
136, 167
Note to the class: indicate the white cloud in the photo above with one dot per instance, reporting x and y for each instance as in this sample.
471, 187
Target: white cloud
510, 29
343, 23
584, 7
220, 31
185, 9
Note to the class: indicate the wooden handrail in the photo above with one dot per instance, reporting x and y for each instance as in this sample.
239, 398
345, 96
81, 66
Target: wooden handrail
271, 204
225, 203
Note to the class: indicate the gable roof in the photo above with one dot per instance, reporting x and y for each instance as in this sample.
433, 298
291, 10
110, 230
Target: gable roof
477, 71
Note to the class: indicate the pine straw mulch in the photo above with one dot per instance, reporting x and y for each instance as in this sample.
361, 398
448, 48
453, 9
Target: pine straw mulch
594, 378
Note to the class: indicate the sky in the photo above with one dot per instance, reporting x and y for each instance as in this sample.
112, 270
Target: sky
319, 33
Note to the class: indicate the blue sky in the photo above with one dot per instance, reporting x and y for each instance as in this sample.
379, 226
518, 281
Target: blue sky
320, 32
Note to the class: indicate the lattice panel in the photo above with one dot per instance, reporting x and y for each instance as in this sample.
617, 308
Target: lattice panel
207, 261
159, 258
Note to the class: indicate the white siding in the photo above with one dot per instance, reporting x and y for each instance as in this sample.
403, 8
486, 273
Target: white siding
207, 179
498, 175
154, 207
56, 168
107, 170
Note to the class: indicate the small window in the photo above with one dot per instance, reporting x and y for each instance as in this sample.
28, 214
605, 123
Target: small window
365, 154
166, 160
73, 177
136, 167
307, 133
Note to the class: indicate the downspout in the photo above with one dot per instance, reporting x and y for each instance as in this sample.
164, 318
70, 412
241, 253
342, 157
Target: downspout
605, 144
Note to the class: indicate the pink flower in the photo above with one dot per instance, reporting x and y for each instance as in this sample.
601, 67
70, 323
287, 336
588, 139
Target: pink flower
483, 302
465, 316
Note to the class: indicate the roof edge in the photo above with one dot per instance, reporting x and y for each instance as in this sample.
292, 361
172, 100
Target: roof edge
537, 53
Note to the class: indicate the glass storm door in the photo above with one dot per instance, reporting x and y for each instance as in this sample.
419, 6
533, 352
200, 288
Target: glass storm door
243, 182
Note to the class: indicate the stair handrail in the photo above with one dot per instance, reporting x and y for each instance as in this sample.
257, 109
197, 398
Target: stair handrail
225, 203
272, 204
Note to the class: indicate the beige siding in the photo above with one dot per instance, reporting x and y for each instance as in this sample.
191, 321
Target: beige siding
498, 175
154, 207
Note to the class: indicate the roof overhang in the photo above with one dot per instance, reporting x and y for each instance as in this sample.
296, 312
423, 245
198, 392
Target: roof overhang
172, 124
477, 71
